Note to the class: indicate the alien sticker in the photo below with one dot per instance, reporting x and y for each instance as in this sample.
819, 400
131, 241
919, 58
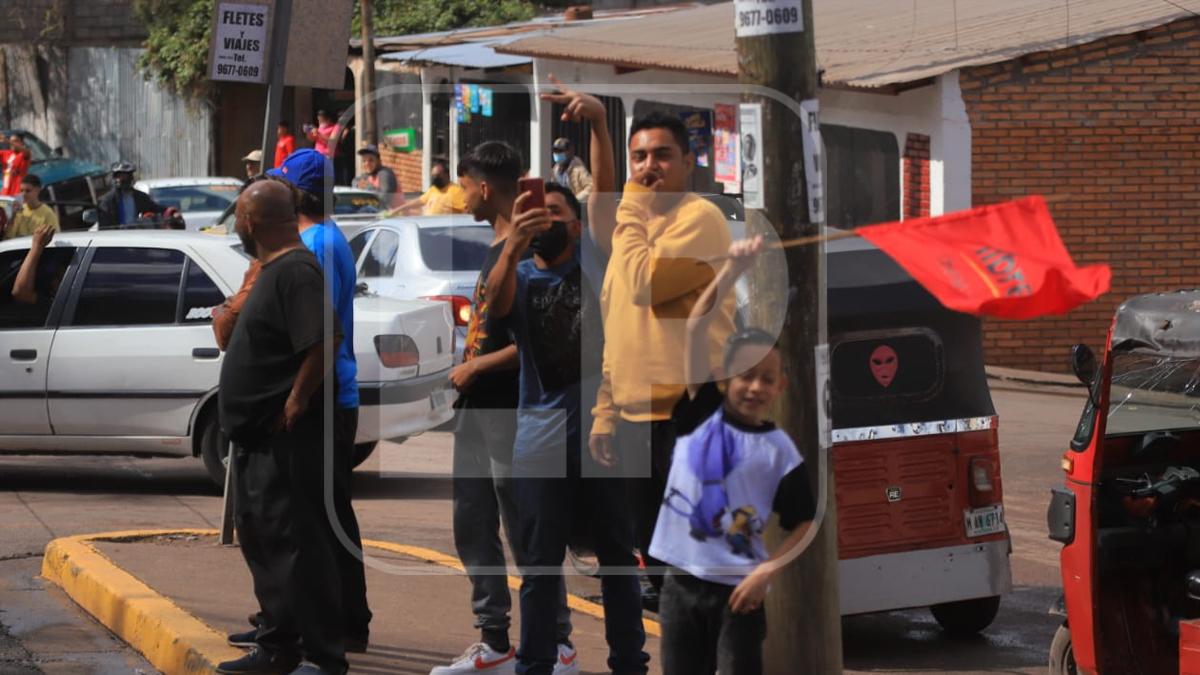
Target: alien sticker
884, 363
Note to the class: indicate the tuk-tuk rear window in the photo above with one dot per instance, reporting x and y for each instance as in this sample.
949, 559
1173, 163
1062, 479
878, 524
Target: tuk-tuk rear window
906, 364
1152, 391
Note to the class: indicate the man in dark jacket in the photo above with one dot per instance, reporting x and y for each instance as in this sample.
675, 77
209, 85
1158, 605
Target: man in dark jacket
123, 204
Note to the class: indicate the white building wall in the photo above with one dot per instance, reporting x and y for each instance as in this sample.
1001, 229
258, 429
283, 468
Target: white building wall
936, 110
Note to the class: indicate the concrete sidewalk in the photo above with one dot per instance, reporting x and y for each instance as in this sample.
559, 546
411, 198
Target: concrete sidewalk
174, 596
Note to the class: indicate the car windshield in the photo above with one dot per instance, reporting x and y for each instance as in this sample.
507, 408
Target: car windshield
196, 197
1152, 391
463, 247
346, 203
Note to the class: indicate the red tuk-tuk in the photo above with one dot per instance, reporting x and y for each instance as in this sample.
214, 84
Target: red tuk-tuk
1129, 512
916, 454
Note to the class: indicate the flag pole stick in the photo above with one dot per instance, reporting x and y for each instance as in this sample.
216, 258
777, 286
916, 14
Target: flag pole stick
841, 234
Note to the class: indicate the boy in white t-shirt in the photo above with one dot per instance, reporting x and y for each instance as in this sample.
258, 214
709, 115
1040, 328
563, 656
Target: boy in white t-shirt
731, 468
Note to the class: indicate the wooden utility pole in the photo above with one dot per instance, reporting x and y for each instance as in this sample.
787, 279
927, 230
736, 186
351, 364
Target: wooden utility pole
366, 15
776, 51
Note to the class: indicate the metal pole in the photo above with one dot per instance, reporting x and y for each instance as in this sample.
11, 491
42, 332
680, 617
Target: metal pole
369, 130
228, 523
280, 24
803, 609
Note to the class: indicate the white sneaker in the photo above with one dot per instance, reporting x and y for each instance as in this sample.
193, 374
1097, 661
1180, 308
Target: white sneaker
480, 658
568, 661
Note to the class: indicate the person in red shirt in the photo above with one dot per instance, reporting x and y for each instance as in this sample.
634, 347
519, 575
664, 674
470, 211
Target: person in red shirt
286, 144
16, 165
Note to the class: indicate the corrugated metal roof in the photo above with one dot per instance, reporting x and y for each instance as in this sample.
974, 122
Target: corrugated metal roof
478, 54
538, 25
863, 43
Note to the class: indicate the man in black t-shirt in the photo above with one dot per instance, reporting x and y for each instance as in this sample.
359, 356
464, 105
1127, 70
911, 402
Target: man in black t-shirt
271, 407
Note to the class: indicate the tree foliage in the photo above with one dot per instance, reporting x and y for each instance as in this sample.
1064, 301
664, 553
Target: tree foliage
405, 17
178, 33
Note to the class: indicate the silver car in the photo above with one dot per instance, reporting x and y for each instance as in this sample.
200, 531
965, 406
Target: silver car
431, 257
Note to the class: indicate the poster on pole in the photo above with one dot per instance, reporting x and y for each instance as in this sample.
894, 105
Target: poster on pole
824, 396
767, 17
725, 146
238, 51
814, 151
750, 126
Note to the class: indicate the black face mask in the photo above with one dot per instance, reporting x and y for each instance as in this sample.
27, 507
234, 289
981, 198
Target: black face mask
551, 243
440, 181
124, 181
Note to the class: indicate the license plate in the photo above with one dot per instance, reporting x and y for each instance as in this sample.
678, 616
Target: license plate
439, 398
988, 520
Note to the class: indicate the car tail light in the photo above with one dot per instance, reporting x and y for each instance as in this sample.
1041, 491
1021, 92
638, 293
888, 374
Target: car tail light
397, 351
981, 482
460, 307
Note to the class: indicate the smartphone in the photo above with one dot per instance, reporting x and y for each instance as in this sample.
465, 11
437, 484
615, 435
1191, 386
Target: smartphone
537, 188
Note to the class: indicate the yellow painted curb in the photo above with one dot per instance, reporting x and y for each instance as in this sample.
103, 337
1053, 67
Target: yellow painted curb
171, 639
573, 601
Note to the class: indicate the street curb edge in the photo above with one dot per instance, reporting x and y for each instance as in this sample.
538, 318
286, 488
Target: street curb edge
171, 639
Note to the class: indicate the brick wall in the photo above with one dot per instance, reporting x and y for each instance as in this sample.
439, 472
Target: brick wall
407, 166
916, 176
1110, 128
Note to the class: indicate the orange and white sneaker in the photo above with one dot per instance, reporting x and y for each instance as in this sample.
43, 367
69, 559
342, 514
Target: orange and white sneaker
480, 658
568, 661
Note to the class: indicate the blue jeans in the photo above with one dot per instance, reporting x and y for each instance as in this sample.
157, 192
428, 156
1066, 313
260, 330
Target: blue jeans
483, 499
549, 512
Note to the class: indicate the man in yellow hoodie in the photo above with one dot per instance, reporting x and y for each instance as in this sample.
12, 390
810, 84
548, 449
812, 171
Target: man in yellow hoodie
656, 273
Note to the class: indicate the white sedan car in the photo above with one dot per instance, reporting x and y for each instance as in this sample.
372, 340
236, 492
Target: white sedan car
201, 200
121, 359
431, 257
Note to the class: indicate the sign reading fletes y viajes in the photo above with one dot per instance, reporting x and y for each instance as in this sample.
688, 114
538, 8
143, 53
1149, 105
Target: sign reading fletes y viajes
239, 48
767, 17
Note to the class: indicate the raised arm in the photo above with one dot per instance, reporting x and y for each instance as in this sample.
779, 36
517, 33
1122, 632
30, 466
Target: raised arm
697, 367
502, 281
602, 202
24, 289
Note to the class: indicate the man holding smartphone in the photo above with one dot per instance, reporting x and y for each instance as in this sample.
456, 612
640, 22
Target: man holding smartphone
483, 439
559, 489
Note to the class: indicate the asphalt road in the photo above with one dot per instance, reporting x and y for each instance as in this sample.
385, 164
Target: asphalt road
403, 495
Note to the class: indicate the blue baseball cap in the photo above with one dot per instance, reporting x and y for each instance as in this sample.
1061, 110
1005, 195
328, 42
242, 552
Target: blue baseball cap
306, 169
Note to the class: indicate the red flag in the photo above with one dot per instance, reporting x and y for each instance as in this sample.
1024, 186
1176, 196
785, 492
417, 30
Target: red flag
1004, 260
